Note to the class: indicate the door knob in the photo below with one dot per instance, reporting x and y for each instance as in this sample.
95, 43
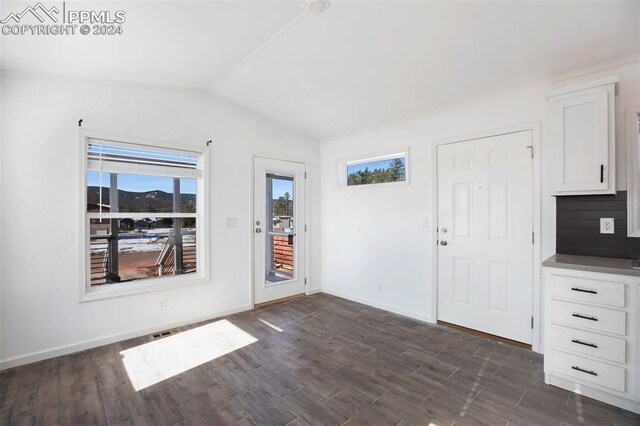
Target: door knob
443, 243
258, 230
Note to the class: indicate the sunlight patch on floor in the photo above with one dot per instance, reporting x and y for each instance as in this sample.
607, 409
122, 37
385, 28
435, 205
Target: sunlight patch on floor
267, 323
159, 360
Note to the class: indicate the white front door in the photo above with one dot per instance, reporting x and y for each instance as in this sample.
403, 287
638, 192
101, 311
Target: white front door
485, 235
278, 229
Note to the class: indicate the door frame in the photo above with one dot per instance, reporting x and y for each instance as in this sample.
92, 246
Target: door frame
252, 225
534, 128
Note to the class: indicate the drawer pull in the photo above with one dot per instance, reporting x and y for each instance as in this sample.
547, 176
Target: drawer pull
580, 342
587, 317
582, 370
584, 290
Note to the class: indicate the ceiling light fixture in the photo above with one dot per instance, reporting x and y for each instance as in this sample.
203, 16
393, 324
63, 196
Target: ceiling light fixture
317, 6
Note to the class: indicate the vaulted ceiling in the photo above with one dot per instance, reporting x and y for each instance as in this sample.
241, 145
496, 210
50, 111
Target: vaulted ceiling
357, 65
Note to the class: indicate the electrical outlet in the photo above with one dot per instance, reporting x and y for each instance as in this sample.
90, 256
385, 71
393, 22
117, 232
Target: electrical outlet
607, 225
163, 305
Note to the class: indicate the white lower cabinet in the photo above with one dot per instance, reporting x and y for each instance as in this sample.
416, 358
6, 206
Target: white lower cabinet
591, 343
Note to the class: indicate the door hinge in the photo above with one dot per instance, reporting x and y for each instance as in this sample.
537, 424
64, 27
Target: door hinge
532, 323
305, 228
305, 175
305, 281
533, 237
531, 147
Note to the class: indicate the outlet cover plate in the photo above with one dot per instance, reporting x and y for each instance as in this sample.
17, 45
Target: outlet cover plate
607, 225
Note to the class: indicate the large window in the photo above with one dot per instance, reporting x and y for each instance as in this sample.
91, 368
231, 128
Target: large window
143, 214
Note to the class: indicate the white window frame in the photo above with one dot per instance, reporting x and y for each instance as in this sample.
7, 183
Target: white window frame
202, 274
343, 165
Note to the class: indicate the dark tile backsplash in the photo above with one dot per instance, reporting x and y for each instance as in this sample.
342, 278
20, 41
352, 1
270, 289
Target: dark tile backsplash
578, 226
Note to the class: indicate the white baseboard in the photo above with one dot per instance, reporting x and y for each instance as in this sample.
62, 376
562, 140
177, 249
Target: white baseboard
375, 304
93, 343
313, 291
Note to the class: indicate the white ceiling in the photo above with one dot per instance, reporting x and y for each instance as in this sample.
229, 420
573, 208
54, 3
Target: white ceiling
357, 65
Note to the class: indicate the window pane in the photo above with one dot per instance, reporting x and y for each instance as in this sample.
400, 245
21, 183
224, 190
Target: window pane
280, 240
133, 249
145, 194
95, 180
282, 207
381, 171
187, 195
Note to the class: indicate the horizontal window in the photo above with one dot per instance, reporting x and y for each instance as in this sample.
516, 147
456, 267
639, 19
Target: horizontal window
375, 169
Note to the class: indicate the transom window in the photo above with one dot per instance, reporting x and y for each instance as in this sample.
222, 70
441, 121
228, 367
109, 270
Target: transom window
143, 213
383, 168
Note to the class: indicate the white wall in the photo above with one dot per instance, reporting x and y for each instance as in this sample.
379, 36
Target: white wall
39, 245
373, 235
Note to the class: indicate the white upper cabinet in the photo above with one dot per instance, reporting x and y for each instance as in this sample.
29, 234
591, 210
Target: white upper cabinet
582, 131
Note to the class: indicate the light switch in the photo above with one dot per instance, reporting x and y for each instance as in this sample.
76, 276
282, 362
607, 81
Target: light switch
607, 225
231, 222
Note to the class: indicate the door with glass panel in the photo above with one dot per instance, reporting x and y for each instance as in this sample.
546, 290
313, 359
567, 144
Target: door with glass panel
278, 229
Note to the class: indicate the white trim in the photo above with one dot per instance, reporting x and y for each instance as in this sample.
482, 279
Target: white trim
633, 172
374, 303
534, 128
142, 169
612, 79
203, 273
105, 340
148, 285
306, 220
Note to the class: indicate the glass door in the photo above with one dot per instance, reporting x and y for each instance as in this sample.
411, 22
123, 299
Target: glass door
279, 229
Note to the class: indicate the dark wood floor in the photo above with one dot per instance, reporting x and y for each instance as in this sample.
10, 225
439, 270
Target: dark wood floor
335, 362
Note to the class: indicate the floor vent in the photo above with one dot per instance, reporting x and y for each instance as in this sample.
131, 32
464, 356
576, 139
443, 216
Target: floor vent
162, 334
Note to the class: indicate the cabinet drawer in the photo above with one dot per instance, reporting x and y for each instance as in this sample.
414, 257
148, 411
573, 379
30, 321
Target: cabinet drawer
586, 342
587, 290
585, 370
590, 317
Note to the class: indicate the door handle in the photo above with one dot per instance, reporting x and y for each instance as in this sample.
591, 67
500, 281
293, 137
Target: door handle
258, 230
443, 242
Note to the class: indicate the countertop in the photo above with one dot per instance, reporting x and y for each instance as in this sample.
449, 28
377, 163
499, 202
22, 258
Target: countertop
605, 265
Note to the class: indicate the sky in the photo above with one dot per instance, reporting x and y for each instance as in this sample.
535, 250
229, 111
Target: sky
142, 183
382, 164
282, 186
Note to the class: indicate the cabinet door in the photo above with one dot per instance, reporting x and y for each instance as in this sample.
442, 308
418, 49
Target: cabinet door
580, 133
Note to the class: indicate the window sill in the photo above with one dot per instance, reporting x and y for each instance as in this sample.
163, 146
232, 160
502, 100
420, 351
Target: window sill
378, 185
109, 291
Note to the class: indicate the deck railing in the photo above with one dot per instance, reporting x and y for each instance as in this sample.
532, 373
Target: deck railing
99, 259
167, 257
282, 255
